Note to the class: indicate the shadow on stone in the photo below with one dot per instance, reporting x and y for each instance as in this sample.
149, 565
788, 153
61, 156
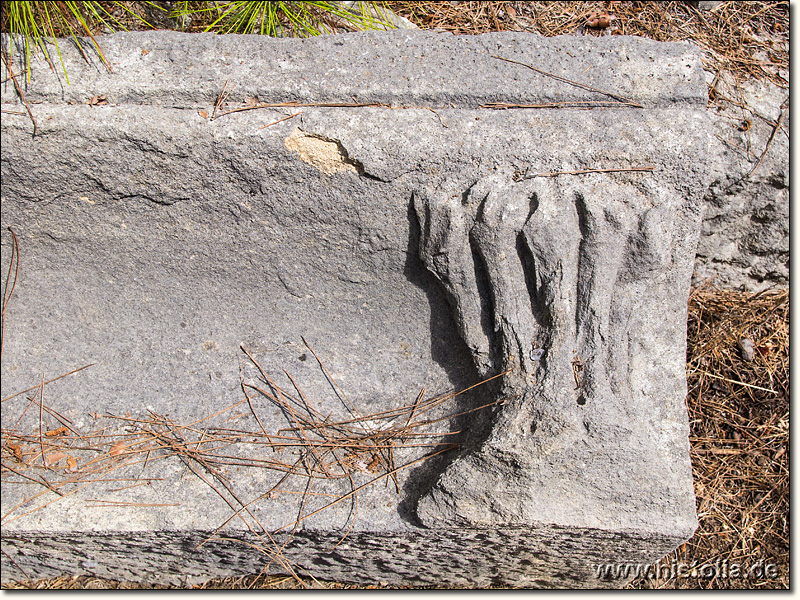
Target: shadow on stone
449, 351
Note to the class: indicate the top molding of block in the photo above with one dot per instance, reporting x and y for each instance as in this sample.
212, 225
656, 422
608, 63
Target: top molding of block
397, 68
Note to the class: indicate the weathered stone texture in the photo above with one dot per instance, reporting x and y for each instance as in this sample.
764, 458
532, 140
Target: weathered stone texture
745, 237
416, 245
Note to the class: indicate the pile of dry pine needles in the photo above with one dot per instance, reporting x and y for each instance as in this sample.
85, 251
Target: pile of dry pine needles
63, 460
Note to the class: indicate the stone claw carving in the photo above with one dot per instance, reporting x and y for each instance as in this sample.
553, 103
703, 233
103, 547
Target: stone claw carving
549, 266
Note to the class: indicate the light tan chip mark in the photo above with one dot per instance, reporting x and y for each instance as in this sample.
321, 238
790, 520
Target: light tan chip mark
326, 155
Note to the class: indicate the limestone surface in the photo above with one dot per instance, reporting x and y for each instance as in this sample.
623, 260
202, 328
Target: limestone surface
744, 242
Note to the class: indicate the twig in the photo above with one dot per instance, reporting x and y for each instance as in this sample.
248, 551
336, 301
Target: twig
266, 494
117, 503
755, 387
7, 79
280, 120
354, 509
458, 414
438, 401
350, 406
370, 482
784, 108
285, 562
584, 171
733, 451
575, 83
46, 382
414, 409
576, 104
306, 402
127, 487
19, 91
734, 146
40, 481
15, 563
12, 265
26, 500
249, 402
221, 98
302, 104
712, 89
41, 411
261, 549
441, 119
296, 421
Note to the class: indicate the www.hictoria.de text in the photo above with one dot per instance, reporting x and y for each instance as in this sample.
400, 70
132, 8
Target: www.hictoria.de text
720, 569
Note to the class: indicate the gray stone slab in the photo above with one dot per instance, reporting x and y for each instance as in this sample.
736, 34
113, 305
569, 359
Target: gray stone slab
412, 245
744, 243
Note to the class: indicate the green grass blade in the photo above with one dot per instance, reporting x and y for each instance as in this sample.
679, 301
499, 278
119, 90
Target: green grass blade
249, 16
33, 37
256, 18
221, 19
237, 17
305, 19
73, 6
68, 26
301, 20
274, 23
136, 15
55, 41
93, 9
12, 21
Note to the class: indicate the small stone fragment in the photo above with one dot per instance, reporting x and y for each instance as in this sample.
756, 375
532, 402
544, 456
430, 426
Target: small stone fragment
747, 348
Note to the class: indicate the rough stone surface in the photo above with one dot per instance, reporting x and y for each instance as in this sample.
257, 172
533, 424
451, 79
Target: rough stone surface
539, 557
745, 237
412, 245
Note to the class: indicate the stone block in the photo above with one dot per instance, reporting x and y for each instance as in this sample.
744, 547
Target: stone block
744, 243
403, 214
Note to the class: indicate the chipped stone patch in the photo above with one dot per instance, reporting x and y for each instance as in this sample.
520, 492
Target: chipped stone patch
326, 155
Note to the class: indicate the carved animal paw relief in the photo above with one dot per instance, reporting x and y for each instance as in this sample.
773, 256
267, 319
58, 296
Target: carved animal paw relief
544, 276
